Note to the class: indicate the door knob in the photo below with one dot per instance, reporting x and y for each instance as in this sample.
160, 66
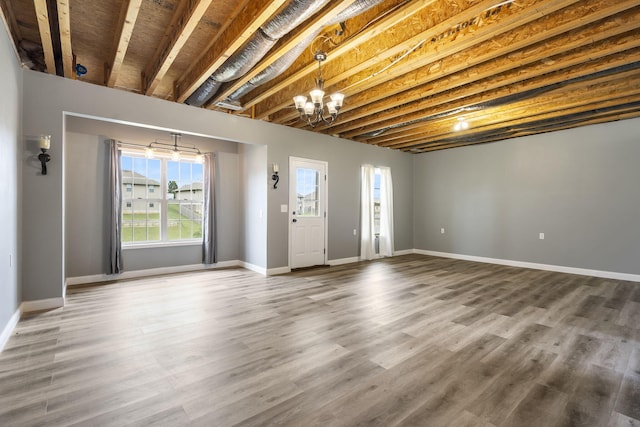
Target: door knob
294, 220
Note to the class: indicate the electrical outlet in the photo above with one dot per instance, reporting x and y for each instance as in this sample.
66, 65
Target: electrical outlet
541, 236
355, 232
442, 231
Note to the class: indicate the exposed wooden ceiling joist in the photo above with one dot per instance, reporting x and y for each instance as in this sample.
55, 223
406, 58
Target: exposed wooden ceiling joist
409, 68
550, 36
381, 26
516, 14
334, 8
184, 23
543, 106
42, 15
64, 25
126, 23
240, 30
489, 91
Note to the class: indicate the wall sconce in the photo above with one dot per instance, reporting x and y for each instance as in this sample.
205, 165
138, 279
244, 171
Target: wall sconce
275, 177
44, 142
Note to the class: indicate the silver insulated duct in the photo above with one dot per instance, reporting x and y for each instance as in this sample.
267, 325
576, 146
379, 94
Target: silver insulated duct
284, 62
238, 64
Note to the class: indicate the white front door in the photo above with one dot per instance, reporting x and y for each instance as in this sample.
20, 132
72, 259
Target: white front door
307, 217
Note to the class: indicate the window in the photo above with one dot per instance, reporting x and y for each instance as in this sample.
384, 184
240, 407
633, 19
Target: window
307, 192
150, 216
376, 202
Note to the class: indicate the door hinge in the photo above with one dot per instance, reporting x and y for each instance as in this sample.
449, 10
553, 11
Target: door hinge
325, 214
324, 251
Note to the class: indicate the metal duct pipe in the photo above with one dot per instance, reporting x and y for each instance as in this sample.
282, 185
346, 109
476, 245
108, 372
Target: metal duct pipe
275, 69
238, 64
283, 63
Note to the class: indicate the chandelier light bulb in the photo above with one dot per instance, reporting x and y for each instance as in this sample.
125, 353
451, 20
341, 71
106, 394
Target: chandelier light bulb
316, 96
175, 156
148, 153
309, 108
300, 101
337, 99
331, 106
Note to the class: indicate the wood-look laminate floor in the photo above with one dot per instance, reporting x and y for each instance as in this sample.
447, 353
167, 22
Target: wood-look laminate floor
412, 341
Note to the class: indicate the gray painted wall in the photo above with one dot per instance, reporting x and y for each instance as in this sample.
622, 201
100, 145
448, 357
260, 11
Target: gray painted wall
253, 237
580, 187
87, 201
12, 150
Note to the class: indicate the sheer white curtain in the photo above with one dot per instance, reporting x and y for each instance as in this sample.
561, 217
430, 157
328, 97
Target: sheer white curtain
386, 213
115, 217
367, 237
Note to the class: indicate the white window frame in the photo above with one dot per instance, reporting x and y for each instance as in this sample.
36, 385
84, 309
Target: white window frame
163, 202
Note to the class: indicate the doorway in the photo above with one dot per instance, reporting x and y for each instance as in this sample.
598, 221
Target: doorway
308, 212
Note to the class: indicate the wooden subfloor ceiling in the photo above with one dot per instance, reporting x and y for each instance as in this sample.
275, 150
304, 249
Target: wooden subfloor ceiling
411, 340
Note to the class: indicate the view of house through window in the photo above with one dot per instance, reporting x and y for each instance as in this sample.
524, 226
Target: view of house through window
151, 215
307, 192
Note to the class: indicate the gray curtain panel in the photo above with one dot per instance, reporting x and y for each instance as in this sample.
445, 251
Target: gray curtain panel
115, 220
209, 252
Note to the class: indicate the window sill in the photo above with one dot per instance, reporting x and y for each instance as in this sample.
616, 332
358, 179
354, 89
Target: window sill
161, 244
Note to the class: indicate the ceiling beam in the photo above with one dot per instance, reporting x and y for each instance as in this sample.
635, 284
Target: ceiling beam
561, 125
506, 52
64, 24
42, 15
588, 95
511, 16
286, 44
491, 89
388, 21
126, 22
235, 35
184, 23
383, 48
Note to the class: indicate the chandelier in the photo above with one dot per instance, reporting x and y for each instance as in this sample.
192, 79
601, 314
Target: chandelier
175, 149
313, 112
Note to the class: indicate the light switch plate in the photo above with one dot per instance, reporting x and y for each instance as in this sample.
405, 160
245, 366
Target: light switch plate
284, 208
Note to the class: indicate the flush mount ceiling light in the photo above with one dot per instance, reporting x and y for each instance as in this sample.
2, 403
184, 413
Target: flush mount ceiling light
175, 149
461, 125
313, 112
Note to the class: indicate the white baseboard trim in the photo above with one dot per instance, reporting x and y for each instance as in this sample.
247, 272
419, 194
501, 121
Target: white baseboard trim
535, 266
252, 267
98, 278
278, 270
342, 261
404, 252
42, 304
8, 329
